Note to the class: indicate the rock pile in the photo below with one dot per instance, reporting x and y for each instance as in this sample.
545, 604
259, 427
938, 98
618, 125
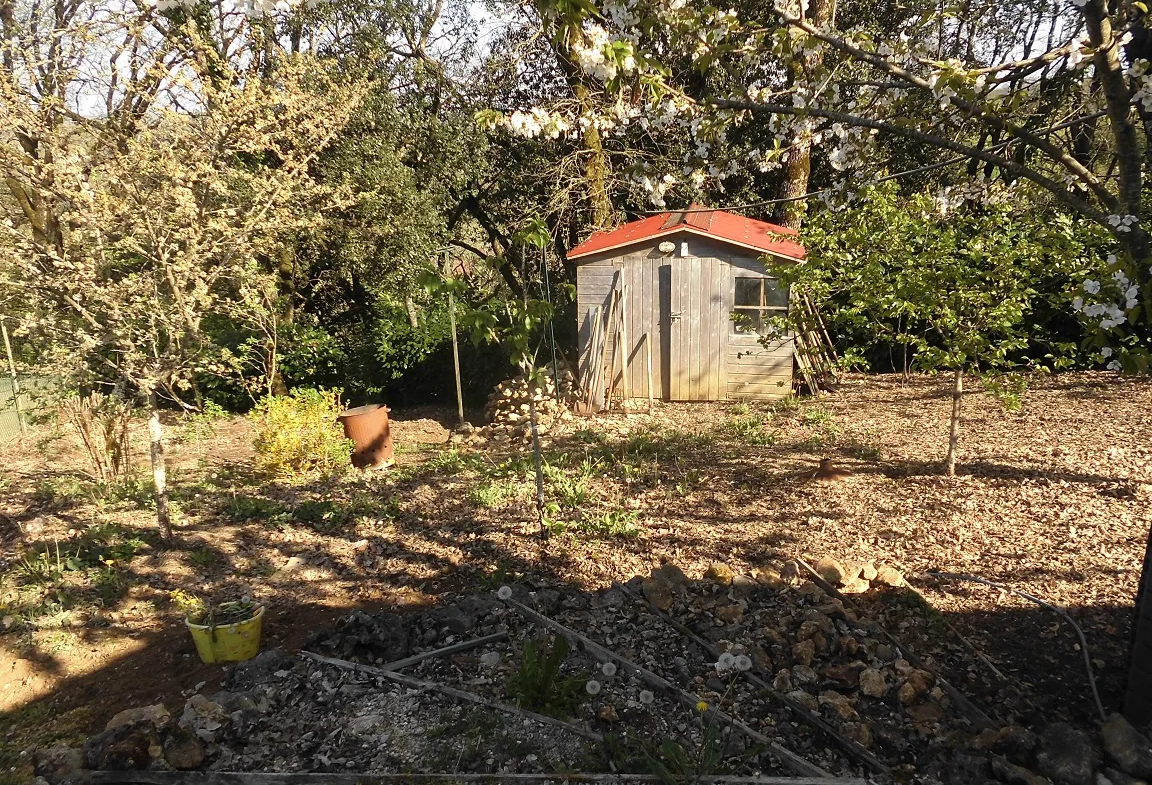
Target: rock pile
813, 663
508, 408
854, 577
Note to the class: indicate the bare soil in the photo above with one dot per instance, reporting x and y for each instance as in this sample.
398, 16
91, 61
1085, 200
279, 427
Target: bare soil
1055, 500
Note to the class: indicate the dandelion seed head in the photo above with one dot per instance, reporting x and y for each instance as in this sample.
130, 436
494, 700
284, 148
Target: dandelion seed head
608, 668
504, 592
646, 697
592, 687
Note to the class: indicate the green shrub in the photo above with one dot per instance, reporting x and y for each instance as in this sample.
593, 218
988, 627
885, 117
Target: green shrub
298, 434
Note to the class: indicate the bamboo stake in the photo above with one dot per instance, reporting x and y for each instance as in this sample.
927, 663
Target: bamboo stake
451, 692
15, 382
804, 714
789, 758
145, 777
455, 647
648, 353
455, 345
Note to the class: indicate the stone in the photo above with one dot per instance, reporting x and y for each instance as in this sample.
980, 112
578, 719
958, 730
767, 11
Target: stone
1065, 755
1015, 775
670, 573
884, 652
810, 589
156, 714
829, 569
744, 585
658, 593
123, 748
868, 571
1129, 748
804, 651
855, 586
849, 645
58, 763
915, 685
719, 572
1115, 777
770, 577
924, 713
183, 750
260, 669
889, 576
859, 732
839, 706
844, 675
822, 621
872, 683
803, 674
608, 714
805, 699
760, 658
783, 681
490, 659
203, 717
902, 667
729, 614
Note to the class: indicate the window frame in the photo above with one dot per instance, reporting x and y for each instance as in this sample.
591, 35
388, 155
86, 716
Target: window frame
761, 309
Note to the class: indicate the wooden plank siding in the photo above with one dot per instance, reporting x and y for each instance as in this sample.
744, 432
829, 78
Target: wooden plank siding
699, 356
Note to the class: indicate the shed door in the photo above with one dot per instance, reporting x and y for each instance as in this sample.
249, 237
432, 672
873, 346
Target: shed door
697, 327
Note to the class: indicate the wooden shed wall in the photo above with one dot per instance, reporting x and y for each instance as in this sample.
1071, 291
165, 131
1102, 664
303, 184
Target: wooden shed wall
716, 363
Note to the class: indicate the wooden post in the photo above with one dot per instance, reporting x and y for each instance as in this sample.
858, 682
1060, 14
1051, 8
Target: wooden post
624, 341
588, 377
648, 353
15, 383
954, 425
455, 345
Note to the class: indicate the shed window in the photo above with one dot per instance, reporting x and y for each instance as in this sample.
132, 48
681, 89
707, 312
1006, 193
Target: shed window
757, 301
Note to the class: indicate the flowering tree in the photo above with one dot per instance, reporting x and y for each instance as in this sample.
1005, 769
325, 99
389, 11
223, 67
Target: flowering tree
138, 225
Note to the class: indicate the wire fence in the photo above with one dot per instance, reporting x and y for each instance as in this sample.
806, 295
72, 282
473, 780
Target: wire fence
15, 419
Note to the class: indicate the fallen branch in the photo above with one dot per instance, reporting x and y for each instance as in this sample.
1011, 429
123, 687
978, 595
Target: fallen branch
455, 647
453, 692
343, 778
790, 759
812, 719
1055, 609
970, 709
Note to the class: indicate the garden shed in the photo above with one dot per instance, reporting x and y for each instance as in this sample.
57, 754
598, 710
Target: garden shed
685, 297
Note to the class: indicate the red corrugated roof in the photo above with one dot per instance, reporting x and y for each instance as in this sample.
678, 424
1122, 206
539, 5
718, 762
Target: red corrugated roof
728, 227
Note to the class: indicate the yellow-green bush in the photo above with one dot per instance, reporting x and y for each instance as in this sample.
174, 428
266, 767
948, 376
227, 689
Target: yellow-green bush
298, 433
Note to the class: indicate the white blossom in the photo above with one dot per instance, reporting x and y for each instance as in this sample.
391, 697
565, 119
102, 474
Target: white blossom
1114, 365
1091, 286
1106, 352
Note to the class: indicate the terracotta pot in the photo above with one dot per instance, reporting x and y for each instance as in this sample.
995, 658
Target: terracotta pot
367, 427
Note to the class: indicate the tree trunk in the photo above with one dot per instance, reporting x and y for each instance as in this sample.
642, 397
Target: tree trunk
798, 170
1138, 696
159, 473
954, 425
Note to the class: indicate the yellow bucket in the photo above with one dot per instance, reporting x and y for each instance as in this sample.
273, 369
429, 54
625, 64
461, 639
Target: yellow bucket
228, 642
